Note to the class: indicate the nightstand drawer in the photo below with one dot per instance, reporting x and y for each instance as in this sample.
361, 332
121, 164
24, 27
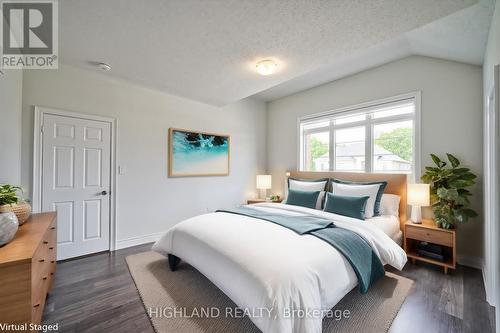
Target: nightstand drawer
429, 235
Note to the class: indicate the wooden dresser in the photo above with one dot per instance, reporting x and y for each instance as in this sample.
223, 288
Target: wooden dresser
27, 268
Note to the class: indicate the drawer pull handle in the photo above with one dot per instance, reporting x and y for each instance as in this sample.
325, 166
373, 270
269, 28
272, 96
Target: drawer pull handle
52, 273
51, 248
52, 261
52, 228
45, 242
41, 260
36, 305
44, 278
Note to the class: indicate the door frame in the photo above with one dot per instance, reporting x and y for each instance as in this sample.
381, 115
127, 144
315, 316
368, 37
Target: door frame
491, 271
39, 112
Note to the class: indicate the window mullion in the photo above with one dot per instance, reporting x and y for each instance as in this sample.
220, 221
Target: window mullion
315, 130
332, 146
393, 119
350, 125
368, 144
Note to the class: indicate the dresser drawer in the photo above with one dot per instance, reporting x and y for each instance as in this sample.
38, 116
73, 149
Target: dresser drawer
37, 310
40, 274
40, 264
50, 237
428, 235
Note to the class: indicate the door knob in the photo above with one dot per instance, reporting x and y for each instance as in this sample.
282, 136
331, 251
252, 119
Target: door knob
104, 193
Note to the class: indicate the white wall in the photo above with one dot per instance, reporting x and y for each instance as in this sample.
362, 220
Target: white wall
10, 126
451, 120
148, 201
491, 230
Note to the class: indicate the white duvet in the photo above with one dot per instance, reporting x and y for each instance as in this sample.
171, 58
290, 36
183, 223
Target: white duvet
270, 271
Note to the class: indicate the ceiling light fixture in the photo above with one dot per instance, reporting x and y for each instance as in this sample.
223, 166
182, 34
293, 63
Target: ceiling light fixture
103, 66
266, 67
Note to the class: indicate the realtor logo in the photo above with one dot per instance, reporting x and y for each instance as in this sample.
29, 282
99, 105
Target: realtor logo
29, 36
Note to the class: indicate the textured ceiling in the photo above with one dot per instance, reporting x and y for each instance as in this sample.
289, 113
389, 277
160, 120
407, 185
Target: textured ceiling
461, 36
206, 50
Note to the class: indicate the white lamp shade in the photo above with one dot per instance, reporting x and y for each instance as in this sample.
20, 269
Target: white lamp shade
418, 194
263, 182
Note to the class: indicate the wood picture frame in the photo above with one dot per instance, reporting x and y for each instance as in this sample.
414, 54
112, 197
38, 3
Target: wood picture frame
198, 154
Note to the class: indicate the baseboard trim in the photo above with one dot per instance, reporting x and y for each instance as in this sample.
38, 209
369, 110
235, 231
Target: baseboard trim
133, 241
470, 261
490, 295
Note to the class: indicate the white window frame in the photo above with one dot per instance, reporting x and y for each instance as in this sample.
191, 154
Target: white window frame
368, 123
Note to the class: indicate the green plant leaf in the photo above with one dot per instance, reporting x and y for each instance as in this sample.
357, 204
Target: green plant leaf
8, 194
460, 200
460, 183
453, 160
469, 212
436, 160
426, 178
461, 170
447, 194
442, 192
468, 176
432, 169
460, 216
464, 192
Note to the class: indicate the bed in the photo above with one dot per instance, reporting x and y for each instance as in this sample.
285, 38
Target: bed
389, 224
285, 282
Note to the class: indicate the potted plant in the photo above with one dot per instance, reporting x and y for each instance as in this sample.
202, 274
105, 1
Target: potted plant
10, 201
449, 194
8, 220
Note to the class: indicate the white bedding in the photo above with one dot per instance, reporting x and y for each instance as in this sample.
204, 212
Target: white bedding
261, 265
389, 224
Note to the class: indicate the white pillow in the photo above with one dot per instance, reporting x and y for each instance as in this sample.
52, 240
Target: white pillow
389, 204
306, 186
356, 190
310, 186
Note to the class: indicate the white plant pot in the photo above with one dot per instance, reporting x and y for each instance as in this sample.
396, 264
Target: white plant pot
8, 227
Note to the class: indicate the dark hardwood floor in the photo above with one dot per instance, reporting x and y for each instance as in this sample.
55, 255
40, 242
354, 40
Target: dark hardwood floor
97, 294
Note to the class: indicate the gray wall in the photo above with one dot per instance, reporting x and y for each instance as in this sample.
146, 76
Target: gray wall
148, 201
451, 120
10, 126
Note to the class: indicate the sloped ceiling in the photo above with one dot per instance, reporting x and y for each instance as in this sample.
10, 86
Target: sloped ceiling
206, 50
461, 36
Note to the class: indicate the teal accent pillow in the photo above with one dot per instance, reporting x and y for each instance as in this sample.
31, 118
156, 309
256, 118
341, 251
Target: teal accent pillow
383, 185
302, 198
346, 206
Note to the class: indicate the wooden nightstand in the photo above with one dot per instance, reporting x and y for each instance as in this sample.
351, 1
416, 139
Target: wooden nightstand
429, 232
254, 201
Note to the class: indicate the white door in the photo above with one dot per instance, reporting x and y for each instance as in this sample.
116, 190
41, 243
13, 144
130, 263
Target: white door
76, 158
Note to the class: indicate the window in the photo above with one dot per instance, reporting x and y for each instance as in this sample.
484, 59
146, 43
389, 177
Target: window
374, 137
317, 147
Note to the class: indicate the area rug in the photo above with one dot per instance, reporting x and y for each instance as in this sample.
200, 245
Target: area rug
184, 301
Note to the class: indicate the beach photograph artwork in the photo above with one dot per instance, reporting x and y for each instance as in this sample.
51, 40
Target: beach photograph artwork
198, 154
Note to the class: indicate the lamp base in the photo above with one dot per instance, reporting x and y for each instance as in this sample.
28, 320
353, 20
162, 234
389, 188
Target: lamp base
416, 214
262, 194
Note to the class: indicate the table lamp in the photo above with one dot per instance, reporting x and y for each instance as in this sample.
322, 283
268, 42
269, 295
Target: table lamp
263, 184
418, 195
